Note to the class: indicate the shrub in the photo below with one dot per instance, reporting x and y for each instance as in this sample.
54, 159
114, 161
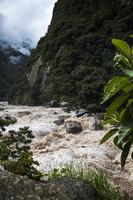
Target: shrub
119, 94
15, 154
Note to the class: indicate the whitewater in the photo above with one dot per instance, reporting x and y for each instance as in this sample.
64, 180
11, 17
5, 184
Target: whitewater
53, 147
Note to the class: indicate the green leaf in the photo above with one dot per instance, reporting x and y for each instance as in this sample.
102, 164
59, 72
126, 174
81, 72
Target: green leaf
123, 133
122, 47
115, 141
114, 86
117, 103
131, 35
128, 72
108, 135
125, 153
112, 119
128, 88
127, 115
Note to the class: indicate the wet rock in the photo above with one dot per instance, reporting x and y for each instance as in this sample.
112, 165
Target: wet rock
64, 104
73, 126
97, 125
93, 108
60, 121
24, 113
67, 109
77, 189
54, 104
1, 109
82, 112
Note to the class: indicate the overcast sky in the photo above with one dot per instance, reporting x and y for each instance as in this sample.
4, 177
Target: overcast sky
25, 19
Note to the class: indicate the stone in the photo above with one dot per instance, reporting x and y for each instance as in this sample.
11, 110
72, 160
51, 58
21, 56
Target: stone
73, 126
67, 109
77, 189
97, 125
13, 187
93, 108
54, 104
24, 113
60, 120
82, 112
64, 104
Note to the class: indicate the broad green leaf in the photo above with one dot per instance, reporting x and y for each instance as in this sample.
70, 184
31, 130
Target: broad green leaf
116, 143
127, 115
125, 153
108, 135
123, 133
128, 88
131, 35
114, 86
128, 72
113, 119
117, 103
122, 46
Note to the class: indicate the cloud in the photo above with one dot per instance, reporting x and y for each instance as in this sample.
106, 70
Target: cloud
22, 20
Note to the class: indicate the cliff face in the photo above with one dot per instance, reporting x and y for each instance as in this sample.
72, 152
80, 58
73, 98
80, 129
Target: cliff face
74, 60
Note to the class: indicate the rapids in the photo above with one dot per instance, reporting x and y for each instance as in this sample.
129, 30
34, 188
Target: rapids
53, 147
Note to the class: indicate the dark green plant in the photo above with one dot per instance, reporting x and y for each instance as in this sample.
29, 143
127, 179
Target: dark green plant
15, 154
119, 94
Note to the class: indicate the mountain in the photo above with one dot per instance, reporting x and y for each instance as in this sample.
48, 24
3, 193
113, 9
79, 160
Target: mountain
73, 61
11, 64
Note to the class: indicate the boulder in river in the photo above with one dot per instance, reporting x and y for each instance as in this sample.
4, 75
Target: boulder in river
60, 121
23, 113
73, 127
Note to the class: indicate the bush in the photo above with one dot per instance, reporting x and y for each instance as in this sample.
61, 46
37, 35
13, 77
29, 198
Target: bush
15, 154
119, 94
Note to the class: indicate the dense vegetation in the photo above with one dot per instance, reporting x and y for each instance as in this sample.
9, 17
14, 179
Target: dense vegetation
119, 93
76, 51
15, 153
11, 64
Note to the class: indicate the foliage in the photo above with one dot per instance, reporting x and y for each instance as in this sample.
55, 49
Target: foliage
119, 93
15, 154
9, 70
77, 48
98, 179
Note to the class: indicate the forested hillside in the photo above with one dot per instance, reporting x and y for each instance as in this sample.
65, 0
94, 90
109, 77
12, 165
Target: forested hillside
74, 60
11, 64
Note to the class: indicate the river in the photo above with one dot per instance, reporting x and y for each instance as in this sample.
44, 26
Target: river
53, 147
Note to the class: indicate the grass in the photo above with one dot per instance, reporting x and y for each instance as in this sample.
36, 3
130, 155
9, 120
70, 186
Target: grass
99, 179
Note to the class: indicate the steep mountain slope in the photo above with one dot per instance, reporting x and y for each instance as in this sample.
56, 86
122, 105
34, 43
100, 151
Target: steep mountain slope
74, 60
11, 63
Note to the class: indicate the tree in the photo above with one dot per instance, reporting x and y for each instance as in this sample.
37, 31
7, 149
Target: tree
118, 93
15, 153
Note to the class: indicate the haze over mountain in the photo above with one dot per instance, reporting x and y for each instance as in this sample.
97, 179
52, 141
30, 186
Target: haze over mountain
22, 24
24, 21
